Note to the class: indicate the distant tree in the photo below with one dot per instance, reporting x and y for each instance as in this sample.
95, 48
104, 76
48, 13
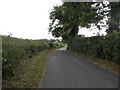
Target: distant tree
45, 40
52, 40
10, 35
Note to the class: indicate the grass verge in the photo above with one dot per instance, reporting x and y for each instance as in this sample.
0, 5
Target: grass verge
101, 62
29, 73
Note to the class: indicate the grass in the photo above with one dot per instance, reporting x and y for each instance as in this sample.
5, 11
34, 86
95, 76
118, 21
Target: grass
14, 50
101, 62
29, 72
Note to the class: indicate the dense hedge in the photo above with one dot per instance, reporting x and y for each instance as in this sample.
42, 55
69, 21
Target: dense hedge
104, 47
14, 50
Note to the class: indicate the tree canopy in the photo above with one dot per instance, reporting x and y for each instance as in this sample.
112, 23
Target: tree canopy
66, 19
114, 21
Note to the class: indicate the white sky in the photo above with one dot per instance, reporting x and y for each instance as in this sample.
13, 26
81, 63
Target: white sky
28, 18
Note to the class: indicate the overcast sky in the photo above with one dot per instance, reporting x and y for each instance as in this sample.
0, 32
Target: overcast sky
29, 18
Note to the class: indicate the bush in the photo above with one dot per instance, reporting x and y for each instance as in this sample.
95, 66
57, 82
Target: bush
14, 50
104, 47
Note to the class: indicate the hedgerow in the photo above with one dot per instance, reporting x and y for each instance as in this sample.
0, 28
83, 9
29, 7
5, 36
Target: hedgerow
104, 47
14, 50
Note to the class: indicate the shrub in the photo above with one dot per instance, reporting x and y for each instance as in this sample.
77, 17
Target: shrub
14, 50
105, 47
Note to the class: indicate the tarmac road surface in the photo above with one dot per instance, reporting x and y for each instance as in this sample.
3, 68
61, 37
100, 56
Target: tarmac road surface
67, 71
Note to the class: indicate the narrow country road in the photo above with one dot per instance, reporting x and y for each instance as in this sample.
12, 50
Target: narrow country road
67, 71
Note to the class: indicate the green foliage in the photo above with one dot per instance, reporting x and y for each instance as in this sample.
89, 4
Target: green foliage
70, 16
51, 44
104, 47
114, 21
14, 50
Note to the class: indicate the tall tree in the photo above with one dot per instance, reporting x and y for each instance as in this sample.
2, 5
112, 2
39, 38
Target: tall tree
66, 19
114, 21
